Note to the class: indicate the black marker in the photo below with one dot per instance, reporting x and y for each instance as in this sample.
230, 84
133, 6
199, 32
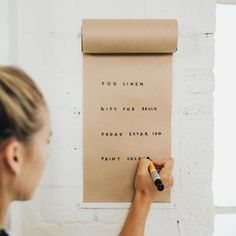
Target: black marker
155, 176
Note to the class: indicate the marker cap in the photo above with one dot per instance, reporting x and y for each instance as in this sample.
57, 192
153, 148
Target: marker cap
160, 186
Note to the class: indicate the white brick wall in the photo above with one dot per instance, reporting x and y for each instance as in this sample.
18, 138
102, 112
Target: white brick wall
49, 49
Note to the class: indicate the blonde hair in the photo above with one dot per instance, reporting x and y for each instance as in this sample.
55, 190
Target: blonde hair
20, 101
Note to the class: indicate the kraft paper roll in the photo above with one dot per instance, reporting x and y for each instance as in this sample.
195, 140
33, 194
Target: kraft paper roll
129, 36
127, 97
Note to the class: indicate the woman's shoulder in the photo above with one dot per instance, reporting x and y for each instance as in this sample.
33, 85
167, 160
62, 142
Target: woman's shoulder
3, 233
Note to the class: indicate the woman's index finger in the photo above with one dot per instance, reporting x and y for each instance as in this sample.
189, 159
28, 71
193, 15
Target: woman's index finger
164, 163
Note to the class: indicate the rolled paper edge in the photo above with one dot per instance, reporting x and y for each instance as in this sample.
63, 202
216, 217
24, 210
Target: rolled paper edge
129, 36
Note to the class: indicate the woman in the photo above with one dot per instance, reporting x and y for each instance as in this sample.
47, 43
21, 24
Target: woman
24, 134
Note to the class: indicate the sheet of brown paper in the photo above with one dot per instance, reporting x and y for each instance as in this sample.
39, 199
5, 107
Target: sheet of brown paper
127, 103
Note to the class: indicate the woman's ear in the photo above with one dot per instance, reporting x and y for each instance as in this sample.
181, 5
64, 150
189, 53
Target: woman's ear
13, 156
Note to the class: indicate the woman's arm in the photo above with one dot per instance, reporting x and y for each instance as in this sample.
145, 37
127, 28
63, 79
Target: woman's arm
136, 219
145, 193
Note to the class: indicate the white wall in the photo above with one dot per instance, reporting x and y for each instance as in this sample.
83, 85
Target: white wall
227, 1
4, 46
8, 56
4, 34
49, 49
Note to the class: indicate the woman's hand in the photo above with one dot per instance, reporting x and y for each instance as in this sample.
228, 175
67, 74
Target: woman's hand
145, 193
143, 183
